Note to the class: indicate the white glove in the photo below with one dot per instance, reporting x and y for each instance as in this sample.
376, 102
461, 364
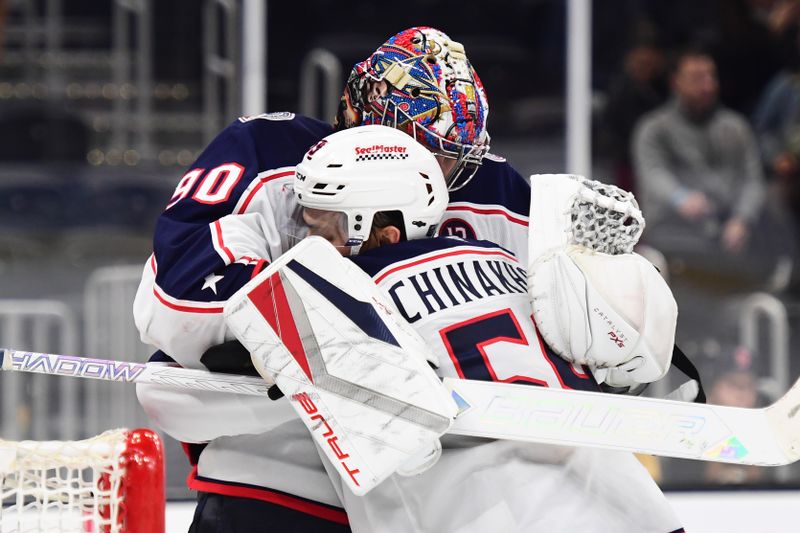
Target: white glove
610, 312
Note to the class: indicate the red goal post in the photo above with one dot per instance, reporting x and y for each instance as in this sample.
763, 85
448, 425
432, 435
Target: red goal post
111, 483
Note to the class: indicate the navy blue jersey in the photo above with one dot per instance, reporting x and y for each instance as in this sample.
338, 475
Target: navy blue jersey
225, 180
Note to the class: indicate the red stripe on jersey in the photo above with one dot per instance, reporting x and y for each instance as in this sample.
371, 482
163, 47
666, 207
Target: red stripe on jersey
218, 231
439, 256
186, 308
583, 374
260, 184
178, 307
259, 267
320, 510
270, 299
480, 211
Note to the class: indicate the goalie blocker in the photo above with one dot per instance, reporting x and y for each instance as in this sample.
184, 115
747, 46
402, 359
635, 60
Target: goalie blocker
354, 371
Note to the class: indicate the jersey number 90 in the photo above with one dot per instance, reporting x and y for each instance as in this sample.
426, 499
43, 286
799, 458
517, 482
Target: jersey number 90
215, 186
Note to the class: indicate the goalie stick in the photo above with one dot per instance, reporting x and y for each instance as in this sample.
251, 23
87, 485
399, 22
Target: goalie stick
769, 436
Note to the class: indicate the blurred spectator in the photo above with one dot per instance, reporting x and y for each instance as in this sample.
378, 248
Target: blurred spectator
698, 166
737, 386
639, 88
748, 42
777, 125
779, 15
746, 37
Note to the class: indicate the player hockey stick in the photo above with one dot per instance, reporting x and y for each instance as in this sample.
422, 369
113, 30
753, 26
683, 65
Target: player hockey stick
768, 436
127, 372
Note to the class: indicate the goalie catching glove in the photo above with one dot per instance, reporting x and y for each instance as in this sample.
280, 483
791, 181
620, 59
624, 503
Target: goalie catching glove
595, 302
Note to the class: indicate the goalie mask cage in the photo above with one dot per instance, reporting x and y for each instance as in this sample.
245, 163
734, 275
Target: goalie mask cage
111, 483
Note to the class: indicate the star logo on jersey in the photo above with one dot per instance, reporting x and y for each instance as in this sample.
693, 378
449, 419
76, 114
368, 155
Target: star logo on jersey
210, 282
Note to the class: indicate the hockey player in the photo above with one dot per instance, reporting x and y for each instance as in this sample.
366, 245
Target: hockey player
228, 218
469, 301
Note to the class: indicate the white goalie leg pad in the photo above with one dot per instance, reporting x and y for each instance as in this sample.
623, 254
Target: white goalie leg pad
353, 370
606, 311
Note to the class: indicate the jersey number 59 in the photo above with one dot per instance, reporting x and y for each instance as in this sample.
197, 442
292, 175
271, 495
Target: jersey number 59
494, 347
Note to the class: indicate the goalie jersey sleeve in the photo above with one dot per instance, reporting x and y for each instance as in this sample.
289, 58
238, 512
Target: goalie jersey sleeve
229, 215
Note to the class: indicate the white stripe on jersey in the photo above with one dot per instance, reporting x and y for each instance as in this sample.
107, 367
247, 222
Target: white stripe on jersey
489, 209
218, 242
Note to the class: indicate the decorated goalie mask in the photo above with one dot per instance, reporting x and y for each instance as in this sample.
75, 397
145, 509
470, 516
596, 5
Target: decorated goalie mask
351, 175
421, 82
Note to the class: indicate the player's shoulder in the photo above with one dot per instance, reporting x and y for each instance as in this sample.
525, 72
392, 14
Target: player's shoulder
421, 250
280, 124
496, 183
269, 140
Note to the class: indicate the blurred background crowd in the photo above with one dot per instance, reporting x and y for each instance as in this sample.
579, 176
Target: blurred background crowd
695, 108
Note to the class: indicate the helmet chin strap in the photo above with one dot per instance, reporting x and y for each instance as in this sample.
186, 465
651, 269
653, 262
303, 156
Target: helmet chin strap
354, 248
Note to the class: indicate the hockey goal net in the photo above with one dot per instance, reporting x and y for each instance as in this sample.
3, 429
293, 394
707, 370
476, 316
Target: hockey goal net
113, 482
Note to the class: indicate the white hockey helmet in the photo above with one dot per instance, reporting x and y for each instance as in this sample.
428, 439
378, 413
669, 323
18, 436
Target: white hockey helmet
369, 169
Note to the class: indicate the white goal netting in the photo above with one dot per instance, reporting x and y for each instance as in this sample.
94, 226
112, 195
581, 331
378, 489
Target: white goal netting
93, 485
